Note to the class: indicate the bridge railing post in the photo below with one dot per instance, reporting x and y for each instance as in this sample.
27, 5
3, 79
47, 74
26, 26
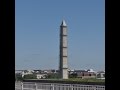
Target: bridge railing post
21, 86
53, 86
35, 86
71, 87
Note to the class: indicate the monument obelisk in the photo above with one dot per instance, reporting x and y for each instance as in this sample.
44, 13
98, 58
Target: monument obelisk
63, 64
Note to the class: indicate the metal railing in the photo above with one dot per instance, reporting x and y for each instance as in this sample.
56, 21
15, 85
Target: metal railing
55, 86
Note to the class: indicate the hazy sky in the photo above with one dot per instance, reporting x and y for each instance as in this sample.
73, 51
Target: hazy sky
37, 24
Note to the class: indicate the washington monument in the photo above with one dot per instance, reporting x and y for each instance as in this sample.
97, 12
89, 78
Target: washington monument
63, 64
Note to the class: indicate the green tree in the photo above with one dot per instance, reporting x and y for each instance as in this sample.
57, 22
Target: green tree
30, 76
18, 77
73, 75
53, 76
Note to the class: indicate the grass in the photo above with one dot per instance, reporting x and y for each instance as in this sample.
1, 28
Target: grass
76, 80
79, 80
85, 80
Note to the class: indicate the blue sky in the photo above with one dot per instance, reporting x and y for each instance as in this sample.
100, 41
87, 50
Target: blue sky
37, 24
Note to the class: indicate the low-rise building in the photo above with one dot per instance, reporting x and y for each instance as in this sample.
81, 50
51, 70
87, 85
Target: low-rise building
41, 76
100, 75
83, 73
26, 72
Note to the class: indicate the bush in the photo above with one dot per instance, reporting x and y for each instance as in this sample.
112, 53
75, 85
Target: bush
30, 76
18, 78
53, 76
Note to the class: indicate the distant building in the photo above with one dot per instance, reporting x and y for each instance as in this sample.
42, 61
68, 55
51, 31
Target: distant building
26, 72
90, 70
41, 76
47, 71
83, 73
37, 71
100, 75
